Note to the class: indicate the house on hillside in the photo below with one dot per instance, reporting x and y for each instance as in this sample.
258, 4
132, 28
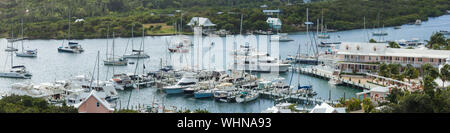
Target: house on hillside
274, 23
94, 104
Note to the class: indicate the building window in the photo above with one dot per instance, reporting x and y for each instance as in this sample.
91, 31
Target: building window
346, 47
377, 58
431, 60
357, 47
370, 58
419, 59
374, 48
98, 104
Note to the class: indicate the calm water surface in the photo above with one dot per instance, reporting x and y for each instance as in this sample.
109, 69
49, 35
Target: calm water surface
51, 65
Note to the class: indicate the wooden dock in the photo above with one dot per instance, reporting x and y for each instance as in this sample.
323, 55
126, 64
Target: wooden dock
328, 75
278, 97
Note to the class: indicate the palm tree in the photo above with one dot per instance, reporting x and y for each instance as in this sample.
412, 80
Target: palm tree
445, 74
410, 73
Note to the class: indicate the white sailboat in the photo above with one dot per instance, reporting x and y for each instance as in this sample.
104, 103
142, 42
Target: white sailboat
379, 32
138, 53
73, 47
11, 41
323, 34
26, 53
19, 71
115, 61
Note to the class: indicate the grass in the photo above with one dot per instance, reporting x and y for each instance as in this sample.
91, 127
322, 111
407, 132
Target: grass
165, 29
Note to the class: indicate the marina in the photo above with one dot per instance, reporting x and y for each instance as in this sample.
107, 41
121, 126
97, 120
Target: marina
59, 66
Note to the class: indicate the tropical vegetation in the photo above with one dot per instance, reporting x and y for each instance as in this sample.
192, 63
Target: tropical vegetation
49, 18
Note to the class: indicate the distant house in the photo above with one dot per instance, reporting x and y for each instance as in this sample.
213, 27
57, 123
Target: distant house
377, 94
325, 108
79, 20
94, 104
201, 21
274, 23
263, 6
272, 12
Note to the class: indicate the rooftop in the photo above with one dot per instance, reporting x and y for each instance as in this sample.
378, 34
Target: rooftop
380, 49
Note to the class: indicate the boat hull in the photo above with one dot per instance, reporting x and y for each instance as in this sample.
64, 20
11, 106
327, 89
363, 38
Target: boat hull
203, 95
26, 55
136, 56
265, 69
15, 75
64, 50
173, 90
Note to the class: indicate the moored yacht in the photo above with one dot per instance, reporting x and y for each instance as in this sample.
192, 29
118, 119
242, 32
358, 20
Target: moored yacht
281, 37
73, 47
188, 80
27, 53
17, 72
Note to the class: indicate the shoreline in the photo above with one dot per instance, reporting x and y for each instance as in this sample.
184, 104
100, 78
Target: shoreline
191, 33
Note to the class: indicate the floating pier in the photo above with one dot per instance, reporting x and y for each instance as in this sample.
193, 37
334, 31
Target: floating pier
279, 97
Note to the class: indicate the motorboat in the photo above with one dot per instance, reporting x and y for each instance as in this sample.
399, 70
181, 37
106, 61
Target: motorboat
335, 82
122, 82
204, 94
188, 80
247, 96
73, 47
136, 54
281, 37
116, 61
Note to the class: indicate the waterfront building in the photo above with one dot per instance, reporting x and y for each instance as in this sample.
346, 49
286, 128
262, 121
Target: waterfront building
274, 23
377, 94
201, 21
94, 104
365, 57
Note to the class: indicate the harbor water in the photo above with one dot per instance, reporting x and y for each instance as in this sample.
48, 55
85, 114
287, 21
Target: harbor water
50, 65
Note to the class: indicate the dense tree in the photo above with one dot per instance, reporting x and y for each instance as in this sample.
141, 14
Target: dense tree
437, 40
27, 104
48, 18
394, 45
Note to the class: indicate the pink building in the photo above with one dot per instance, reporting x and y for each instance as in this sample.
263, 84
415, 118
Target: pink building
94, 104
365, 57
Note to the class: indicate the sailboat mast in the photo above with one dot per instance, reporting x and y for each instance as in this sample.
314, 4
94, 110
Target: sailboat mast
242, 17
98, 69
143, 38
322, 23
132, 37
317, 27
107, 43
69, 22
113, 46
22, 25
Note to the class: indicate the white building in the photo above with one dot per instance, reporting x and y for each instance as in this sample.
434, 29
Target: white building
325, 108
365, 57
274, 23
201, 21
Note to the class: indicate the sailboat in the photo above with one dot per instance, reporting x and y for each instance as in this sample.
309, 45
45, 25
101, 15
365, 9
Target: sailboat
322, 34
26, 53
11, 40
18, 71
379, 32
73, 47
137, 53
115, 61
